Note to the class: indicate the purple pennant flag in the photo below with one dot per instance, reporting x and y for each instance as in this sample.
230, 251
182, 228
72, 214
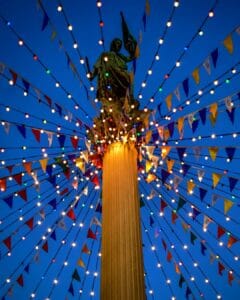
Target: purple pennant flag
214, 56
53, 203
61, 140
202, 114
230, 152
59, 109
170, 127
22, 130
231, 114
26, 85
45, 21
99, 208
232, 183
195, 213
53, 235
202, 193
185, 169
70, 289
203, 248
181, 152
186, 86
159, 109
52, 180
195, 125
26, 269
49, 170
9, 200
165, 175
151, 221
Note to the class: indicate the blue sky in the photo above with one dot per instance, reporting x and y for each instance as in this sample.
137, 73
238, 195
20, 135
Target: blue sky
37, 51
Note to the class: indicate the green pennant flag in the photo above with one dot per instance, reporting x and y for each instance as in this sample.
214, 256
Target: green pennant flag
75, 275
192, 237
181, 202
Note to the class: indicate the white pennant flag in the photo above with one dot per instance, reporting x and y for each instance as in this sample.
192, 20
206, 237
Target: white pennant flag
88, 145
7, 127
201, 174
228, 103
177, 93
96, 222
50, 138
197, 152
85, 191
190, 119
207, 65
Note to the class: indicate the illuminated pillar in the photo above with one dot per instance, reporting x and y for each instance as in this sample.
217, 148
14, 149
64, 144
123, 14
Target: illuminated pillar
122, 261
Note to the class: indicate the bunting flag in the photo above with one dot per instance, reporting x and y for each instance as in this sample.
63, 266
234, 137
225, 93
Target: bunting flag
168, 101
207, 65
75, 275
216, 178
177, 93
3, 184
71, 289
163, 205
45, 246
148, 136
9, 200
232, 183
28, 167
151, 177
190, 186
181, 281
81, 263
74, 141
180, 124
29, 223
43, 162
221, 268
170, 164
169, 256
228, 43
181, 203
61, 140
206, 222
171, 127
195, 75
37, 134
71, 214
220, 232
193, 237
213, 152
186, 86
230, 277
20, 280
202, 193
85, 249
177, 270
165, 151
230, 152
202, 115
22, 130
214, 55
8, 243
231, 240
91, 234
227, 205
164, 175
174, 217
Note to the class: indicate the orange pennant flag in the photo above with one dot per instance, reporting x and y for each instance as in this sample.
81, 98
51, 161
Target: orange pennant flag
180, 125
28, 167
43, 162
228, 43
81, 263
151, 177
213, 109
215, 178
231, 241
227, 205
168, 101
190, 186
195, 75
213, 152
165, 151
177, 268
80, 163
166, 134
170, 163
148, 136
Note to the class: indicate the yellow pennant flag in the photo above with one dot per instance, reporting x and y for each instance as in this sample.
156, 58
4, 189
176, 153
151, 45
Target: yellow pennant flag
213, 119
170, 163
190, 186
195, 75
43, 162
228, 43
148, 136
85, 155
168, 101
180, 125
151, 177
81, 263
215, 178
213, 152
213, 109
80, 164
148, 166
227, 205
165, 151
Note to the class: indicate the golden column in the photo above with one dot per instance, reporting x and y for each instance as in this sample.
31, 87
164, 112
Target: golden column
122, 270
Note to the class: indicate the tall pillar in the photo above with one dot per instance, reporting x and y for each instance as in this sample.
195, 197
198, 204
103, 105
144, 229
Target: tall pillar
122, 260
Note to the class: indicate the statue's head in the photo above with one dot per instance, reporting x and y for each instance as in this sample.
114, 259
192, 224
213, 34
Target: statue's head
116, 45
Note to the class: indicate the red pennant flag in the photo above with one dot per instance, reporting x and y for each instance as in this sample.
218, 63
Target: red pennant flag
230, 277
169, 256
71, 214
8, 242
67, 173
95, 180
23, 194
20, 280
231, 241
3, 184
45, 246
220, 268
91, 234
220, 232
63, 192
174, 217
85, 249
28, 167
29, 223
14, 76
49, 101
74, 141
18, 178
37, 134
10, 168
163, 205
164, 245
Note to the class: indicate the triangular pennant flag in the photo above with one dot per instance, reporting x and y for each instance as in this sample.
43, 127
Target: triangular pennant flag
43, 162
230, 277
29, 223
18, 178
181, 152
49, 170
207, 66
202, 115
195, 125
215, 178
81, 263
71, 214
186, 86
26, 85
151, 177
180, 125
96, 221
74, 141
171, 127
148, 165
64, 191
22, 130
95, 180
9, 200
228, 43
177, 270
53, 203
61, 140
23, 194
165, 151
26, 269
193, 237
163, 205
164, 244
200, 174
75, 275
37, 134
213, 152
170, 164
45, 20
10, 168
188, 292
14, 76
20, 280
99, 208
227, 205
206, 222
220, 232
28, 167
164, 175
91, 234
85, 249
174, 217
8, 242
148, 136
45, 246
232, 183
195, 75
202, 193
50, 138
214, 55
230, 152
213, 109
177, 93
203, 248
53, 235
195, 213
231, 241
181, 281
151, 221
185, 169
181, 202
228, 103
70, 289
52, 180
169, 256
220, 268
197, 152
62, 225
190, 186
168, 101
